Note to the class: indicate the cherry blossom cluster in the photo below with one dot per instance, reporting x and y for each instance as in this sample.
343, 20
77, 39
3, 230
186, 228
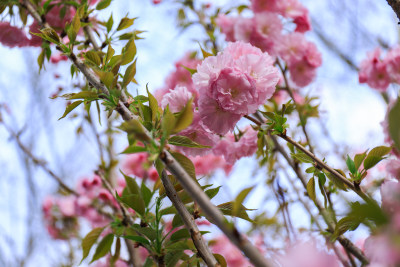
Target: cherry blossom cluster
225, 87
61, 213
379, 72
265, 30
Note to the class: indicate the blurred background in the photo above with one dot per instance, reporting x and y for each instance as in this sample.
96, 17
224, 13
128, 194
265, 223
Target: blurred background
344, 32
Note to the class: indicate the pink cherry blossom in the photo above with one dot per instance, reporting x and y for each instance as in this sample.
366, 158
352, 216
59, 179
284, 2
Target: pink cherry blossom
306, 254
392, 60
241, 73
380, 250
12, 36
373, 71
232, 255
267, 31
200, 134
264, 5
233, 150
176, 99
393, 168
227, 24
138, 164
205, 165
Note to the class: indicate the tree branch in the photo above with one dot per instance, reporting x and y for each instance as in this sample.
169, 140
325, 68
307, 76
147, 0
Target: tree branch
203, 250
395, 4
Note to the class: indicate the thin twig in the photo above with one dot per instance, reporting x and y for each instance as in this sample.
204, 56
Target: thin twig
203, 250
38, 161
395, 4
346, 243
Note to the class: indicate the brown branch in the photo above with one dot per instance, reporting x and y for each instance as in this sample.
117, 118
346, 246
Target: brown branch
203, 250
346, 243
395, 4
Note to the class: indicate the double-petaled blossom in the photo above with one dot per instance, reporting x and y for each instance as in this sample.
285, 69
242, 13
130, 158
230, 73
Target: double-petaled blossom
306, 254
373, 71
232, 150
138, 164
301, 56
233, 84
12, 36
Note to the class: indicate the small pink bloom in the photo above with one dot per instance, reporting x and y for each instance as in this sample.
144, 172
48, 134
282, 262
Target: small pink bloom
205, 165
232, 255
267, 31
226, 24
233, 150
264, 5
12, 36
393, 168
380, 250
67, 206
176, 99
306, 254
373, 71
57, 58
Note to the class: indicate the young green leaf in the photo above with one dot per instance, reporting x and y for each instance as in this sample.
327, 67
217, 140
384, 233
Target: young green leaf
375, 156
131, 185
129, 52
180, 234
134, 201
226, 209
103, 4
351, 165
93, 57
138, 239
70, 108
394, 124
178, 140
311, 189
184, 118
237, 204
153, 105
104, 247
359, 158
186, 164
129, 74
302, 157
89, 240
134, 149
125, 23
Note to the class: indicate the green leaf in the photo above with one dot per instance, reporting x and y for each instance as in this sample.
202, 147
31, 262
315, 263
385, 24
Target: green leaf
129, 52
86, 95
192, 71
150, 233
129, 74
226, 209
138, 239
358, 159
180, 234
177, 221
394, 124
93, 57
89, 240
179, 140
336, 181
76, 23
50, 35
110, 23
70, 108
375, 156
40, 59
104, 247
153, 105
110, 53
131, 184
167, 123
125, 23
205, 53
351, 165
103, 4
302, 157
186, 164
345, 224
135, 128
146, 194
171, 259
184, 118
134, 201
134, 149
237, 204
311, 189
310, 170
211, 193
221, 260
107, 78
